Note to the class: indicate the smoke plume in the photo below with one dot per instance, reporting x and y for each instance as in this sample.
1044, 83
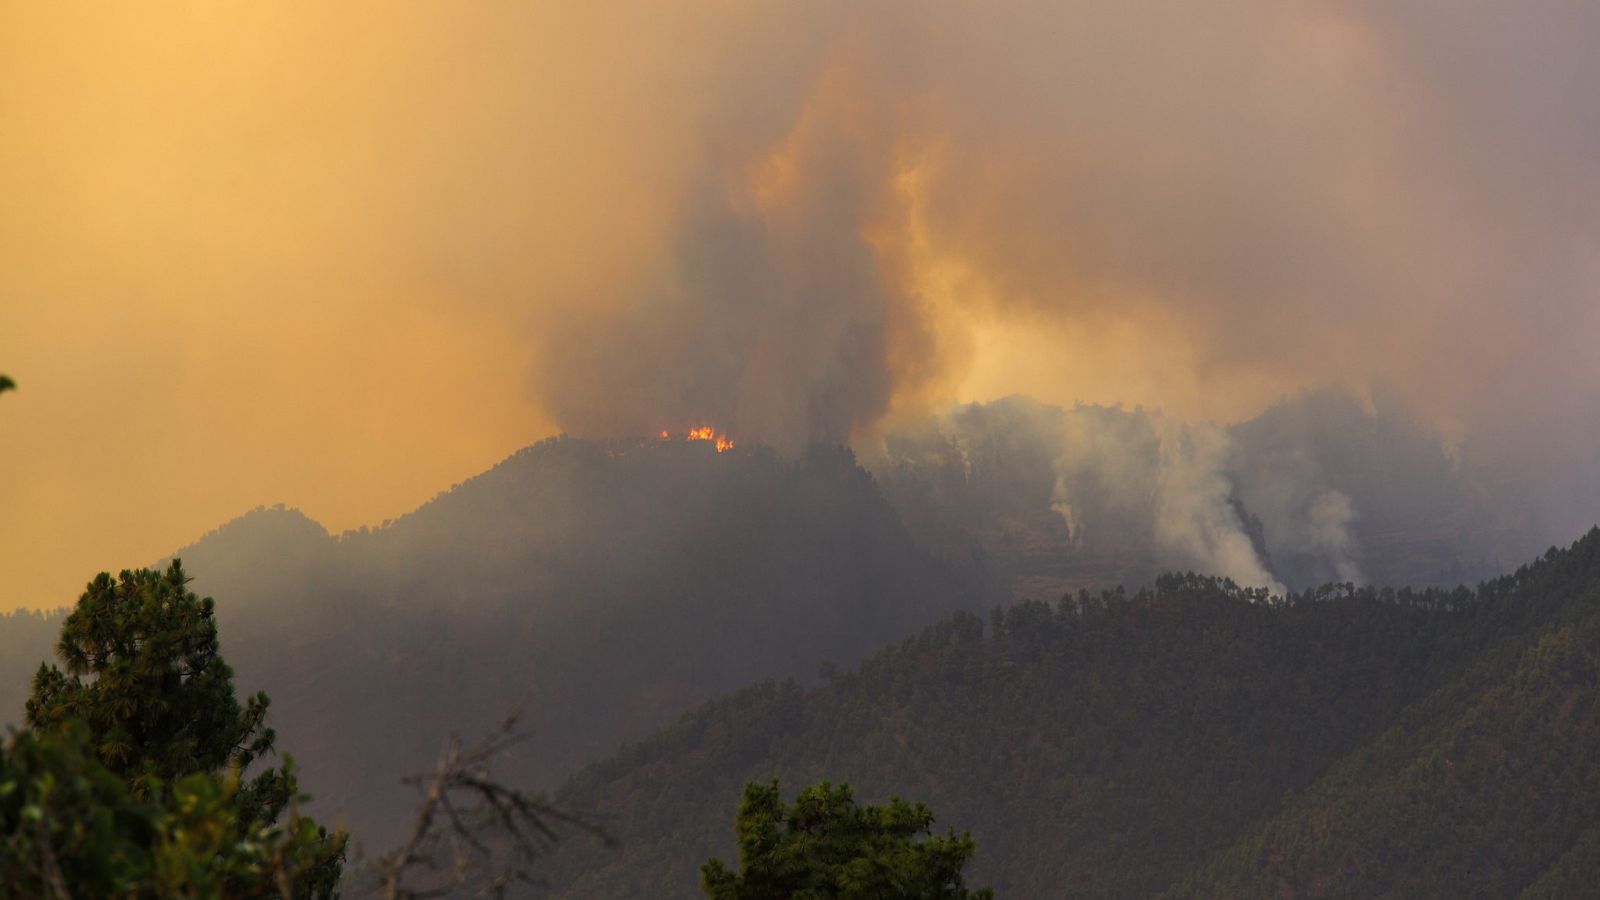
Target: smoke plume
1166, 474
1296, 194
308, 230
1318, 488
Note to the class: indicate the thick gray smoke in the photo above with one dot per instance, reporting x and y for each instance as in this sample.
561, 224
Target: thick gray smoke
1255, 198
1170, 477
1319, 488
787, 221
772, 324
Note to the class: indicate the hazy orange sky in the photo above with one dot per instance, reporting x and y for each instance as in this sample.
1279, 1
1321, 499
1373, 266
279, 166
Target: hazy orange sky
341, 256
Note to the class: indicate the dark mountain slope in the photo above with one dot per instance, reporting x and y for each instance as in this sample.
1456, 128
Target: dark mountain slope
1109, 747
1489, 786
612, 586
1178, 739
26, 639
1477, 802
607, 587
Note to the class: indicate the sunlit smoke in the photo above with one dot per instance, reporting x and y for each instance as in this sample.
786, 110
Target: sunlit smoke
310, 230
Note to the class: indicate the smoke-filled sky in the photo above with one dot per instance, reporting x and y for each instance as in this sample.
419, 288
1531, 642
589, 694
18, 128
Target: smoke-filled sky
343, 255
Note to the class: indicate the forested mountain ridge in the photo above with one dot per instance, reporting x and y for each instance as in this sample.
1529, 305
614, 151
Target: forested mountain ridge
1488, 788
607, 587
1188, 739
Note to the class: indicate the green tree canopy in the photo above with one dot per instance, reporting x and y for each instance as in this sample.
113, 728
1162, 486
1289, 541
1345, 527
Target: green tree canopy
69, 828
6, 384
828, 847
144, 673
132, 783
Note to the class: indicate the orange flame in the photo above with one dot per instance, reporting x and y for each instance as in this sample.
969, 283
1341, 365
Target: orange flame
707, 433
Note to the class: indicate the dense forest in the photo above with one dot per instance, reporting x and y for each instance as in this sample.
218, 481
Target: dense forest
1191, 739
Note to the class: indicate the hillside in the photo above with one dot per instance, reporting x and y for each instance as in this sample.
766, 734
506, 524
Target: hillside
26, 639
605, 587
1488, 788
1182, 739
608, 587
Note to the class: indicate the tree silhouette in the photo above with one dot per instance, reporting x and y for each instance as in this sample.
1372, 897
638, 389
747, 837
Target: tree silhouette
827, 846
147, 695
144, 673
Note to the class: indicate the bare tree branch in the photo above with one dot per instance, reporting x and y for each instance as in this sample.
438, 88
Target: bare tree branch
473, 836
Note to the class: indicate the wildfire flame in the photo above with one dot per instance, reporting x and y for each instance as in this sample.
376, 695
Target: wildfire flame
705, 433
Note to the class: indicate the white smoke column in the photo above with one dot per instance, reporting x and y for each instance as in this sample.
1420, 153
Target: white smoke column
1307, 524
1300, 468
1193, 514
1143, 477
1328, 530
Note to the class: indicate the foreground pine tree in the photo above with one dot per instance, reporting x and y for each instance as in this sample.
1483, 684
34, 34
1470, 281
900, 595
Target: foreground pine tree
134, 781
828, 847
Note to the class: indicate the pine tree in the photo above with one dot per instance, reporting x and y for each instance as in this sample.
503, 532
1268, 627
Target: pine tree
147, 694
827, 846
143, 672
